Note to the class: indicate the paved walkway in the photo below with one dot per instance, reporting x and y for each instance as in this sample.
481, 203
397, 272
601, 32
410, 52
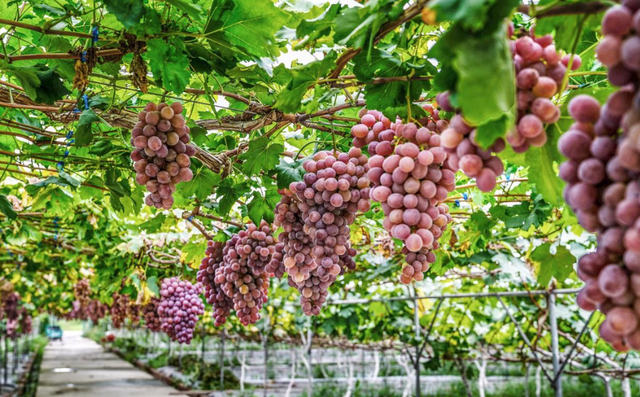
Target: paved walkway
80, 368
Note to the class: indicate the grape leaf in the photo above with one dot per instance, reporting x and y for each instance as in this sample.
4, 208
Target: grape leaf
200, 186
290, 98
472, 14
84, 135
174, 75
128, 12
261, 207
228, 192
263, 155
543, 162
558, 265
7, 208
193, 10
288, 172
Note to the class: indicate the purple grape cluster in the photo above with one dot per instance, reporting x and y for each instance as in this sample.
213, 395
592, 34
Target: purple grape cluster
96, 310
119, 310
180, 308
82, 292
151, 316
77, 312
602, 174
242, 277
26, 322
412, 178
10, 305
540, 71
135, 311
334, 189
162, 154
214, 259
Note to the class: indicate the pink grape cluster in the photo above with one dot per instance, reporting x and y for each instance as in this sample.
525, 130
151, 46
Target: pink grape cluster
412, 178
119, 309
242, 277
77, 312
621, 45
540, 71
213, 293
180, 308
459, 141
150, 314
162, 154
96, 310
334, 188
297, 246
602, 175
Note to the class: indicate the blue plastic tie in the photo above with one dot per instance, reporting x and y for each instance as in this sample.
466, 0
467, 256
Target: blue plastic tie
55, 237
76, 110
69, 134
86, 101
465, 196
66, 153
60, 164
83, 56
190, 219
456, 203
94, 34
508, 176
72, 140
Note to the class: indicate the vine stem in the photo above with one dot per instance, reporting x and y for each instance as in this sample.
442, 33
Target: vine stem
40, 29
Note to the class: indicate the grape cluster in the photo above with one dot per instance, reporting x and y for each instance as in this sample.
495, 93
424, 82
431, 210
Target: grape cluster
134, 314
297, 257
150, 314
540, 71
162, 154
242, 277
96, 310
412, 178
10, 303
179, 309
119, 310
213, 294
334, 189
82, 292
459, 141
602, 173
26, 322
77, 312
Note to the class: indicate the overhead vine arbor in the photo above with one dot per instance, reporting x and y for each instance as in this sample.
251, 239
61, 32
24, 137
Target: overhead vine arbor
320, 151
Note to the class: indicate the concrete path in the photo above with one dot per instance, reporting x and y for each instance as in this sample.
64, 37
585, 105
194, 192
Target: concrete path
80, 368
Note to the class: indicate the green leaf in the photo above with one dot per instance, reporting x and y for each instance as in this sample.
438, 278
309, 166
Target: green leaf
487, 60
558, 265
128, 12
261, 207
193, 10
288, 172
472, 14
174, 75
84, 136
290, 98
263, 155
201, 185
152, 284
7, 208
543, 173
229, 192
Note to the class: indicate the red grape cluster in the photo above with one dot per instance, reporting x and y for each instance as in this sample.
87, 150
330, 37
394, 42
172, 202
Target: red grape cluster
540, 71
180, 306
150, 314
213, 294
119, 309
297, 246
96, 310
26, 323
162, 154
242, 277
134, 314
334, 189
602, 174
77, 312
411, 177
10, 303
82, 292
621, 45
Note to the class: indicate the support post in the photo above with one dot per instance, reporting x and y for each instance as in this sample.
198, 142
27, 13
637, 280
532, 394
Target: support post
222, 338
309, 357
553, 322
418, 331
